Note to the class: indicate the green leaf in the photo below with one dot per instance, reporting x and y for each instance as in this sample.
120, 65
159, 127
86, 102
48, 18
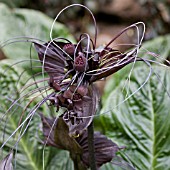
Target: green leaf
142, 123
14, 3
30, 151
61, 161
26, 22
159, 46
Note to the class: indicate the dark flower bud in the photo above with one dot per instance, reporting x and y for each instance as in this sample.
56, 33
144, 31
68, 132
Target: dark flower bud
77, 97
72, 88
80, 63
82, 90
61, 98
68, 94
69, 49
54, 84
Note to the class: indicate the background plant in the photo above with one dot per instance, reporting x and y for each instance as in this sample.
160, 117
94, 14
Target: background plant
118, 128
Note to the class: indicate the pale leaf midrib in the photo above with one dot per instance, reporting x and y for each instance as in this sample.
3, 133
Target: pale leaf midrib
153, 130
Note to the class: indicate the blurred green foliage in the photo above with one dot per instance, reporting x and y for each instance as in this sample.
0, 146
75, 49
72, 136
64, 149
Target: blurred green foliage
142, 123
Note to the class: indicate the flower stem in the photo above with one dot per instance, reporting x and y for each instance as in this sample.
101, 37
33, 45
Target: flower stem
92, 159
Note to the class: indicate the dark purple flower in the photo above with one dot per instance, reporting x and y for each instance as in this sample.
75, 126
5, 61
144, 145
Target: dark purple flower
72, 69
68, 63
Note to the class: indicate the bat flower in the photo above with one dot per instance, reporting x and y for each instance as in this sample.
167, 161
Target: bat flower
56, 134
72, 91
73, 67
80, 64
68, 63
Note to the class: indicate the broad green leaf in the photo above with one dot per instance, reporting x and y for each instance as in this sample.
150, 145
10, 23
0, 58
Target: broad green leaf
142, 123
14, 3
61, 161
29, 150
159, 46
26, 22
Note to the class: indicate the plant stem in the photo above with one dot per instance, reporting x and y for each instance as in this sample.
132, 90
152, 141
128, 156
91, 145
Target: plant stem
78, 165
92, 159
